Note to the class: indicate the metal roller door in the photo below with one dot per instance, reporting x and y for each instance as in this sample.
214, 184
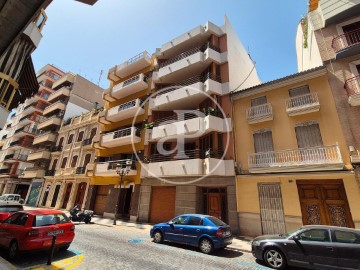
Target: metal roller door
162, 204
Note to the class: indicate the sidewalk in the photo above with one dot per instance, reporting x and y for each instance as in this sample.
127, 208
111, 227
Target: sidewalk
240, 243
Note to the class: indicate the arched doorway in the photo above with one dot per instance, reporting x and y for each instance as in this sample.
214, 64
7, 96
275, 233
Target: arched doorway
46, 194
55, 196
67, 195
93, 133
80, 194
87, 159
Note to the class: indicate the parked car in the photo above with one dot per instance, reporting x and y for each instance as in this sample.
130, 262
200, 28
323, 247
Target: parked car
7, 208
312, 247
203, 231
12, 197
33, 230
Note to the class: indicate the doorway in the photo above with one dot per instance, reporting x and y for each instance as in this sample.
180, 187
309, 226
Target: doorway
56, 193
80, 194
215, 203
67, 195
324, 202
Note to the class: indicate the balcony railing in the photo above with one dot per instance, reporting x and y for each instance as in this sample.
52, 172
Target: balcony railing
346, 40
123, 163
126, 132
80, 170
201, 48
16, 156
187, 154
87, 142
133, 80
127, 105
352, 86
259, 113
138, 57
296, 157
39, 106
195, 79
50, 173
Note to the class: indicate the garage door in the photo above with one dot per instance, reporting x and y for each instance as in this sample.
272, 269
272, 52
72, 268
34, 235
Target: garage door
162, 205
100, 199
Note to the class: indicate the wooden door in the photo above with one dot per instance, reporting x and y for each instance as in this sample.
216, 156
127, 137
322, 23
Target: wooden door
324, 202
67, 195
80, 194
162, 204
214, 205
100, 199
56, 193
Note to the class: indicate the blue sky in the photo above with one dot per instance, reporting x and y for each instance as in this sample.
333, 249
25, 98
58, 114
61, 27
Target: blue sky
87, 39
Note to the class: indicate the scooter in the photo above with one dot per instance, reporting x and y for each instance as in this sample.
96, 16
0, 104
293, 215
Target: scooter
77, 215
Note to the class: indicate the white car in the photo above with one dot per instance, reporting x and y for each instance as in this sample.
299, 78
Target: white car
12, 197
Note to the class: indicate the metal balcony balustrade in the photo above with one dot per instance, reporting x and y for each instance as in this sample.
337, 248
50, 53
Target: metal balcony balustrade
112, 164
303, 100
32, 117
137, 57
127, 105
133, 80
259, 111
50, 173
346, 40
26, 129
124, 132
80, 170
87, 142
296, 157
352, 86
192, 80
17, 156
200, 48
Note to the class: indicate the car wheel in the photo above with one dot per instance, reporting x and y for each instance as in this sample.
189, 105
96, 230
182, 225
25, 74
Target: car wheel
13, 251
206, 246
158, 237
275, 258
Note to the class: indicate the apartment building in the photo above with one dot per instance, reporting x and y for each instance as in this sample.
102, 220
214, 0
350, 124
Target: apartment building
329, 35
293, 162
188, 164
16, 169
66, 181
122, 133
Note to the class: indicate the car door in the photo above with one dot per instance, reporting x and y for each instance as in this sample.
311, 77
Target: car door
13, 227
193, 229
316, 249
175, 231
347, 245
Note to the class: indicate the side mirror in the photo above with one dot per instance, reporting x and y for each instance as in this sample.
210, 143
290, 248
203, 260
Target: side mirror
295, 238
171, 223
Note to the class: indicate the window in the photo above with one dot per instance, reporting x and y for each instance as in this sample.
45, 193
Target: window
93, 133
258, 101
299, 91
263, 141
53, 167
308, 135
17, 219
195, 221
87, 159
317, 235
45, 220
61, 141
216, 221
346, 237
73, 161
179, 220
63, 164
70, 138
80, 136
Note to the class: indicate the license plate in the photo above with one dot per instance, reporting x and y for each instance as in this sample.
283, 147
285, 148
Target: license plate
228, 241
227, 233
55, 233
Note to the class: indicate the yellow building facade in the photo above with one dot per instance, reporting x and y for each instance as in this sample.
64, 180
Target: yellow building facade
122, 137
293, 164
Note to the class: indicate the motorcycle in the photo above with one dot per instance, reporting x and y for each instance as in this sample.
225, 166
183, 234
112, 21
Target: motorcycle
77, 215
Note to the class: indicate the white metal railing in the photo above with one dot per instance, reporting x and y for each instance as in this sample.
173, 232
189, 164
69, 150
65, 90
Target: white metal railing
296, 157
303, 100
124, 132
138, 57
259, 111
127, 105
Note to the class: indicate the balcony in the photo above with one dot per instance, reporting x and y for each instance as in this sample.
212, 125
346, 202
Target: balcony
39, 155
46, 137
53, 108
130, 86
23, 131
109, 168
62, 93
260, 113
189, 163
28, 119
66, 79
192, 126
352, 87
320, 158
50, 123
134, 64
347, 44
124, 111
302, 104
21, 143
15, 157
33, 172
121, 137
34, 107
189, 93
335, 11
192, 61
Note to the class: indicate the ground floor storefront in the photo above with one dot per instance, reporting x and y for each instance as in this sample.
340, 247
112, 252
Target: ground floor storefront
162, 200
279, 203
15, 186
64, 193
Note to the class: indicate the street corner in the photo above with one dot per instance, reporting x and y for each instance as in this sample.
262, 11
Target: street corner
64, 261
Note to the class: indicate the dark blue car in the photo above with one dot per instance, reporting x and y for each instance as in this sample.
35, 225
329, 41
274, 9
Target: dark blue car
203, 231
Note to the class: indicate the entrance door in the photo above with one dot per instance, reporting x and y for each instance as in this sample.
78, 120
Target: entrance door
324, 202
80, 194
67, 195
271, 209
214, 205
100, 199
56, 193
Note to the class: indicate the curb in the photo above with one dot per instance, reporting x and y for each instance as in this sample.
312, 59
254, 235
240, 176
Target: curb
5, 265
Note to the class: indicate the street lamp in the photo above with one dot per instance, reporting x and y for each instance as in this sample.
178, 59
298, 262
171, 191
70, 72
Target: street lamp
121, 172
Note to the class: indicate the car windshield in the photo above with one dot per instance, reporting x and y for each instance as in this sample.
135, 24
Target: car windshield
11, 208
217, 221
45, 220
2, 198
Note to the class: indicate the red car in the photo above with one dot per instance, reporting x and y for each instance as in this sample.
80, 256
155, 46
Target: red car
8, 208
33, 230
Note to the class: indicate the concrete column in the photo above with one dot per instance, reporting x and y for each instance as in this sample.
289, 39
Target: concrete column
144, 203
60, 197
134, 206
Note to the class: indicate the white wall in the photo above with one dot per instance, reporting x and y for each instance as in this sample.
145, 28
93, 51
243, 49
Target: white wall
73, 110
